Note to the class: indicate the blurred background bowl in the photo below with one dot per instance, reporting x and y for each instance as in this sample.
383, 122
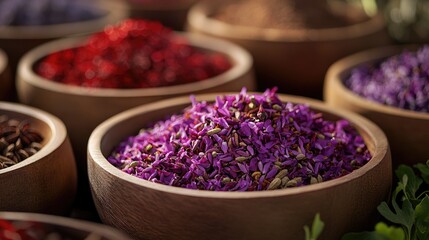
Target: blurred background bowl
65, 227
406, 130
295, 60
46, 181
148, 210
82, 108
6, 81
171, 13
17, 40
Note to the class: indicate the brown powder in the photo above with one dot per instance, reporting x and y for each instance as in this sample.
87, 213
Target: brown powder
288, 14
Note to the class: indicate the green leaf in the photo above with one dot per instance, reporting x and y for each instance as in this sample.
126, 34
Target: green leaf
422, 219
390, 232
424, 171
408, 181
316, 228
403, 216
364, 236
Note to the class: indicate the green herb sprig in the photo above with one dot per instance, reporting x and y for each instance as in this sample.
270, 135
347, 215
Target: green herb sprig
408, 214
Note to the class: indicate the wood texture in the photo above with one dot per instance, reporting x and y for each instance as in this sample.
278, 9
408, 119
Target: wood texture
6, 81
295, 60
77, 228
148, 210
45, 182
407, 131
170, 13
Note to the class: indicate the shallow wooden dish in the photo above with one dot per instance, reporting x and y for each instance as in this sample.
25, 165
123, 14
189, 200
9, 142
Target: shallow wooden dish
77, 229
82, 109
294, 60
407, 131
45, 182
5, 78
170, 13
17, 40
148, 210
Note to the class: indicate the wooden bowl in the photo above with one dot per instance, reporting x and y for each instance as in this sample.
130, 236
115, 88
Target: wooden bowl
74, 229
82, 109
406, 130
148, 210
46, 181
5, 78
171, 13
295, 60
17, 40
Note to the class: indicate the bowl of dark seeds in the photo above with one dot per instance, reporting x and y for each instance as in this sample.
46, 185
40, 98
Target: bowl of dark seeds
32, 226
237, 166
293, 42
390, 86
37, 167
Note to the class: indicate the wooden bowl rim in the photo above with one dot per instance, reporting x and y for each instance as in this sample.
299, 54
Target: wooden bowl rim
57, 127
374, 132
113, 13
90, 227
198, 19
242, 63
3, 61
343, 66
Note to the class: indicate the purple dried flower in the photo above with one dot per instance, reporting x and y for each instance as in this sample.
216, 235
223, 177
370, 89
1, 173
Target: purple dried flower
400, 81
241, 143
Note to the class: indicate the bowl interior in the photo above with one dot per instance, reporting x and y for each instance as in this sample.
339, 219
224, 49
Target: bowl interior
342, 70
240, 59
201, 17
116, 129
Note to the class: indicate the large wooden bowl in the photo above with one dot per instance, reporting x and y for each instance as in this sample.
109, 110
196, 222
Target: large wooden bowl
73, 228
45, 182
5, 78
82, 109
295, 60
406, 130
148, 210
17, 40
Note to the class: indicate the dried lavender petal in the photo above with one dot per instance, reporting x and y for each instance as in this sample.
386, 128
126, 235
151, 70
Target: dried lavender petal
400, 81
277, 140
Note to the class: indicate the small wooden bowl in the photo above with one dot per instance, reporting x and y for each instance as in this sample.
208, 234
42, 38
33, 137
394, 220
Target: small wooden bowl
5, 78
295, 60
406, 130
148, 210
45, 182
76, 229
82, 109
170, 13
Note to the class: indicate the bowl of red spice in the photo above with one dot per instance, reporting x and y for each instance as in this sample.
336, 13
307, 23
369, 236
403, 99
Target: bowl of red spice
5, 78
293, 42
171, 13
33, 226
390, 86
237, 166
37, 166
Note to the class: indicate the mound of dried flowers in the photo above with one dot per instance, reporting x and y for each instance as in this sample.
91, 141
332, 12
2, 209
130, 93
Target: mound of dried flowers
243, 142
400, 81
